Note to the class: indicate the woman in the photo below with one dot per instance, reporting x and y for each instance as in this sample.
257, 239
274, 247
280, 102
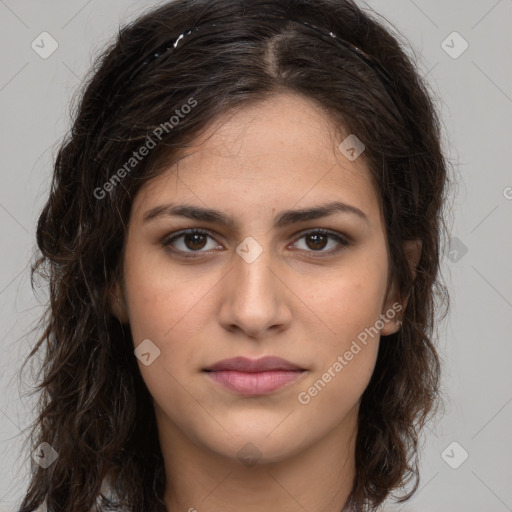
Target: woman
242, 242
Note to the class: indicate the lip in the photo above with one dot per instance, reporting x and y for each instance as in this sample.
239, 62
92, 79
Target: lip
254, 377
244, 364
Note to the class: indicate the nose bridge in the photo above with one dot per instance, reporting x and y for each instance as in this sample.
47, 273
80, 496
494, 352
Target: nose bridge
255, 299
252, 273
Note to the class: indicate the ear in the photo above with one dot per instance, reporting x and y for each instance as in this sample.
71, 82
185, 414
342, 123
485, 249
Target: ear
117, 302
394, 305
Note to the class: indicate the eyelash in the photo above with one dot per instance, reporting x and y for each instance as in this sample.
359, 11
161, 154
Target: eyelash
343, 241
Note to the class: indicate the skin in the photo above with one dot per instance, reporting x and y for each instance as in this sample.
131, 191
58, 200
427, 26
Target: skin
295, 301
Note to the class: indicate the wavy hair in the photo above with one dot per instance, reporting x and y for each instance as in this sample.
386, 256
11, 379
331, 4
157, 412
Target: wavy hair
91, 395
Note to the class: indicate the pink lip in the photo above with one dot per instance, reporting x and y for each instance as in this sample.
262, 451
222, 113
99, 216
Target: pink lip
244, 364
254, 377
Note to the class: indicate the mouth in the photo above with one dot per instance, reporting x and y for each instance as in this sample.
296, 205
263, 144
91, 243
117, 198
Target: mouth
251, 377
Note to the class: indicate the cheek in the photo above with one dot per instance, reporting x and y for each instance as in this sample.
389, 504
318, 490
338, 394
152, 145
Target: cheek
348, 299
345, 359
171, 311
349, 304
159, 300
166, 309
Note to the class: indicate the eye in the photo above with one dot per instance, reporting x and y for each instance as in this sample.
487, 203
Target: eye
195, 240
318, 239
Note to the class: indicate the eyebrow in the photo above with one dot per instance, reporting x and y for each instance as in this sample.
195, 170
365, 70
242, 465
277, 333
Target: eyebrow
285, 218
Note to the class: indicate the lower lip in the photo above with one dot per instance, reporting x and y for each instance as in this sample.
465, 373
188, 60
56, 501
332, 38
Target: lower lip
255, 384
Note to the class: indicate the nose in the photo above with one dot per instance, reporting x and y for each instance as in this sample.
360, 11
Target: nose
255, 298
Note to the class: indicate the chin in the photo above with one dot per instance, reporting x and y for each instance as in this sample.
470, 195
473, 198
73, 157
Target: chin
258, 448
259, 438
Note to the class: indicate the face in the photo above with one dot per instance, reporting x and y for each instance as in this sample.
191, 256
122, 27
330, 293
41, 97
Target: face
258, 280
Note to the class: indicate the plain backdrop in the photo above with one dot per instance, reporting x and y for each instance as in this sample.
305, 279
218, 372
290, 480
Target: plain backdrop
473, 88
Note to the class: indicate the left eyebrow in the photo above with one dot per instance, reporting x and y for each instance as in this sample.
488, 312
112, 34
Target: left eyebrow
284, 218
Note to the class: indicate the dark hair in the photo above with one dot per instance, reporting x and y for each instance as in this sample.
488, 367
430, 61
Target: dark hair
243, 52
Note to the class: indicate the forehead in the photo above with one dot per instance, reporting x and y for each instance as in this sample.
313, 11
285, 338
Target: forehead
281, 150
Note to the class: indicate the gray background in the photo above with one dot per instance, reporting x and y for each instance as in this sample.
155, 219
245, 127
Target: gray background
474, 92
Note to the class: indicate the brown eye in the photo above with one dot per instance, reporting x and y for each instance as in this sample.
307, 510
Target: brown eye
189, 242
194, 241
318, 240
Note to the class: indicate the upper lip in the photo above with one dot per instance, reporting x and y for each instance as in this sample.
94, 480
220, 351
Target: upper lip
244, 364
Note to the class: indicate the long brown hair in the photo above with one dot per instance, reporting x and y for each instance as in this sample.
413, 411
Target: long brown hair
91, 394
